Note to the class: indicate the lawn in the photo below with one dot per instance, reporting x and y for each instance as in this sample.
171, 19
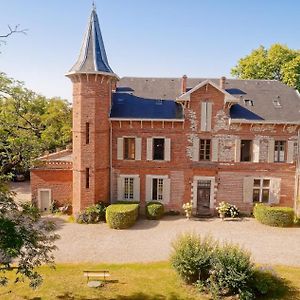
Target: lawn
154, 281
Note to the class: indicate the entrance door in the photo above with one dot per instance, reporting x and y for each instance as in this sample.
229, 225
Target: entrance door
45, 200
203, 196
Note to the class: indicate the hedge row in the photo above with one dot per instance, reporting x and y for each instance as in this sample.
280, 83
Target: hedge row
121, 216
274, 216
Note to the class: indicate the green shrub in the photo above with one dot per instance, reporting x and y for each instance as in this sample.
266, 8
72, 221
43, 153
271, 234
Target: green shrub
231, 272
154, 210
121, 216
92, 214
274, 216
191, 256
31, 210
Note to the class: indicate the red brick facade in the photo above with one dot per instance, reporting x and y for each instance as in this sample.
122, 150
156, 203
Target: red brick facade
92, 104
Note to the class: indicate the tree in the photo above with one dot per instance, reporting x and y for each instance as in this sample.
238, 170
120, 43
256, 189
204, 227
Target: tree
29, 125
278, 62
26, 240
11, 31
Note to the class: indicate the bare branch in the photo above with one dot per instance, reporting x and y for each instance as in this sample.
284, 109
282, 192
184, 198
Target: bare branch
14, 30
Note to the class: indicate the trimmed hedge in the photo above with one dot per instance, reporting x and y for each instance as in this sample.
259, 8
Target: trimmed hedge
121, 216
154, 210
274, 216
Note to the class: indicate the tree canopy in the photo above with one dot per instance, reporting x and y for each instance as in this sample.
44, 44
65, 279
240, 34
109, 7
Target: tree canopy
278, 62
26, 240
30, 124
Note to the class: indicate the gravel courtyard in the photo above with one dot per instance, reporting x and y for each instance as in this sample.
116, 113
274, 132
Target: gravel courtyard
151, 240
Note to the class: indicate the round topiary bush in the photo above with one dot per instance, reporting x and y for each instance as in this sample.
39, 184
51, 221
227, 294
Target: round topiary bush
121, 216
154, 210
274, 216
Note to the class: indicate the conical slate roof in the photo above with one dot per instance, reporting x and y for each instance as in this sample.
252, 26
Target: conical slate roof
92, 57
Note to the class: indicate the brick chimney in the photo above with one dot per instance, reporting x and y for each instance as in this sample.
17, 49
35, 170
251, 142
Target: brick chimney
183, 84
222, 82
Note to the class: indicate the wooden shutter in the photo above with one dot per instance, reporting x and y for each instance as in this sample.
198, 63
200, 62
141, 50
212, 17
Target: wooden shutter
120, 143
166, 190
275, 191
208, 116
167, 149
136, 188
203, 116
214, 149
271, 150
237, 156
138, 148
120, 187
148, 187
290, 152
248, 189
195, 154
256, 150
149, 148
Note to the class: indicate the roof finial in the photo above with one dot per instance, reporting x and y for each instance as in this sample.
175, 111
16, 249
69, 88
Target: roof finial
94, 5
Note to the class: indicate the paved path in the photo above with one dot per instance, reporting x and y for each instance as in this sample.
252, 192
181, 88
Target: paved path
151, 240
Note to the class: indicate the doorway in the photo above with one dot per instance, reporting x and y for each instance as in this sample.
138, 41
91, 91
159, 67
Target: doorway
203, 196
45, 200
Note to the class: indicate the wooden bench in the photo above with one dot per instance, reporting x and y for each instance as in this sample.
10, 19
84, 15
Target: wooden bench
104, 274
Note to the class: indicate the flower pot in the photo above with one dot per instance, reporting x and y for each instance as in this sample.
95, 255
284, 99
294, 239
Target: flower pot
222, 216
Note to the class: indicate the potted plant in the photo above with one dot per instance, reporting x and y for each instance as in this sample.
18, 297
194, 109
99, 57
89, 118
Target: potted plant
188, 207
223, 209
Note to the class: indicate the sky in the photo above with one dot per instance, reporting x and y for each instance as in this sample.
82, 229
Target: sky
146, 38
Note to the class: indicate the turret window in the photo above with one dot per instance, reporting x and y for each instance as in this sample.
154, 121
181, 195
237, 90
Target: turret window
87, 132
87, 178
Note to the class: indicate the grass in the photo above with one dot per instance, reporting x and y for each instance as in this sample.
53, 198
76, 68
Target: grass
153, 281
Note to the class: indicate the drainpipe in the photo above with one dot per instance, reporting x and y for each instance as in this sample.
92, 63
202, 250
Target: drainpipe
110, 161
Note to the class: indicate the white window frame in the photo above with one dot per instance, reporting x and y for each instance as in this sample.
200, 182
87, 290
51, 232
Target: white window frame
39, 196
277, 153
167, 148
163, 177
122, 192
261, 188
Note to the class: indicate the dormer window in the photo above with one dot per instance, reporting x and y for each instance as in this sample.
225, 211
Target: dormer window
248, 102
276, 102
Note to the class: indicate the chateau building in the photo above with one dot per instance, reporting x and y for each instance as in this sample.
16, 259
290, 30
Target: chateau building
172, 140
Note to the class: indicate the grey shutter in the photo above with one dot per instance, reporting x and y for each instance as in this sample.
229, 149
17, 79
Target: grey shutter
208, 116
166, 190
138, 148
290, 152
203, 116
214, 149
256, 150
237, 156
136, 188
149, 148
195, 153
120, 187
271, 150
275, 191
167, 149
248, 189
148, 187
120, 142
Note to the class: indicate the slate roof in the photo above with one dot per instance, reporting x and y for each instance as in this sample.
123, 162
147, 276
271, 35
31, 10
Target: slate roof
125, 105
92, 57
264, 95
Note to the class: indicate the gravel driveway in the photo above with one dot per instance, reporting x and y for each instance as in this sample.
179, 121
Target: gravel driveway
151, 240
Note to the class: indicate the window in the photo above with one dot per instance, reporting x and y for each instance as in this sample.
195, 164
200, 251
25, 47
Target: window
87, 132
157, 189
206, 115
158, 149
128, 188
246, 149
204, 147
87, 178
261, 190
248, 102
129, 148
276, 102
279, 154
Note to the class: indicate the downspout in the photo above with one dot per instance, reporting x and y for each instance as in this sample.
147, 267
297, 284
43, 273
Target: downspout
110, 162
297, 200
